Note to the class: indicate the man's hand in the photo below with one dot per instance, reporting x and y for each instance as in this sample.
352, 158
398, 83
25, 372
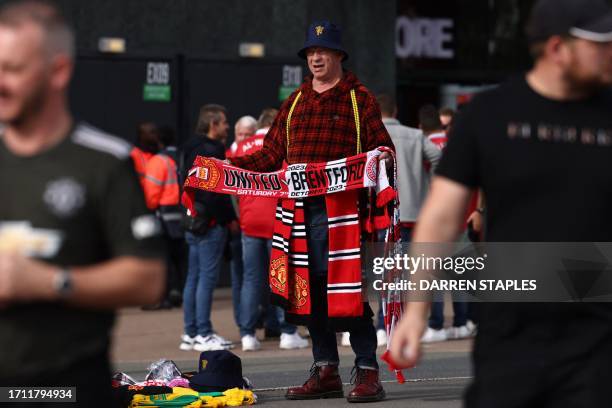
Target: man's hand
406, 340
476, 220
386, 156
23, 279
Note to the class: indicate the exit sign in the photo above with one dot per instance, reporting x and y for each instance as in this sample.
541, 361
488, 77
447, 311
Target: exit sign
157, 85
156, 93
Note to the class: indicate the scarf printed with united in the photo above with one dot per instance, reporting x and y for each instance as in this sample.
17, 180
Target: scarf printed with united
340, 181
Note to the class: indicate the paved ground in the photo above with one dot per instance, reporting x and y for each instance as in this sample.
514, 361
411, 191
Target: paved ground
143, 337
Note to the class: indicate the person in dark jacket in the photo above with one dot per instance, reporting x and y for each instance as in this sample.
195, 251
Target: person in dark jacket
205, 234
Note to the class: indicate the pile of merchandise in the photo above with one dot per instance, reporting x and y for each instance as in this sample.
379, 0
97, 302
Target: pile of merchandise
217, 383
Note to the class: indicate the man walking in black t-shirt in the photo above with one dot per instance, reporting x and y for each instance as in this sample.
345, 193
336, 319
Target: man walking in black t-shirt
539, 147
76, 240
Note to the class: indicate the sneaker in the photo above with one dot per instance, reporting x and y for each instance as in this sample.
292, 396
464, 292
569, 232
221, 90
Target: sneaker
187, 342
250, 343
381, 337
346, 339
227, 343
208, 343
433, 335
455, 333
292, 341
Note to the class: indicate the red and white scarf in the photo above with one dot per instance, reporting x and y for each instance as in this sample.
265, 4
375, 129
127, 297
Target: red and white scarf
340, 181
294, 181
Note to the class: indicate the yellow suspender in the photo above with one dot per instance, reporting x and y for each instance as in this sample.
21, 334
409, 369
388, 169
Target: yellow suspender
355, 114
295, 101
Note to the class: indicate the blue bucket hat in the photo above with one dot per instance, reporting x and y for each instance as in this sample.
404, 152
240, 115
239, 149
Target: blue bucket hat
323, 34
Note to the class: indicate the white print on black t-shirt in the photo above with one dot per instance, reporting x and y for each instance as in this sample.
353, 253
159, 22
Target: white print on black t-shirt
20, 237
146, 226
64, 197
559, 134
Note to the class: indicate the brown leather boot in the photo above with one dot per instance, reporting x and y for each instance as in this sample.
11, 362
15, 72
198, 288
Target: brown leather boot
367, 386
324, 382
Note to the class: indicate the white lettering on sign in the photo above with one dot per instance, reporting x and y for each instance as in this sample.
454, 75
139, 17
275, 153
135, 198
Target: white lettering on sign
423, 38
292, 75
158, 73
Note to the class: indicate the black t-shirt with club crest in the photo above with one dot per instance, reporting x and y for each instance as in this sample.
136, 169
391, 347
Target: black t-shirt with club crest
78, 203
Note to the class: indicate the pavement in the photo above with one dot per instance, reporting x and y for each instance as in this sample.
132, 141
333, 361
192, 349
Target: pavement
142, 337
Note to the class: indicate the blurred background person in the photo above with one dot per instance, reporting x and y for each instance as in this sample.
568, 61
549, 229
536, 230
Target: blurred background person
161, 188
257, 216
206, 235
244, 128
417, 158
446, 118
147, 145
432, 127
76, 239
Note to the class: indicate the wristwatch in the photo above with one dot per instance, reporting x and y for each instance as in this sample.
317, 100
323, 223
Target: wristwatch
62, 283
481, 210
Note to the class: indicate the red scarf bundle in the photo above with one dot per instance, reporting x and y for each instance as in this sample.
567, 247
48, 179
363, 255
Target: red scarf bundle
340, 181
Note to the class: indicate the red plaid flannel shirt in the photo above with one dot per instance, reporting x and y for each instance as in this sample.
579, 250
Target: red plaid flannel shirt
322, 127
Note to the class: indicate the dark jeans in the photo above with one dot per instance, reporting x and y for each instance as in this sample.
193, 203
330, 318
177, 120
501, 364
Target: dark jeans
460, 308
436, 318
205, 253
256, 290
380, 318
177, 264
324, 345
406, 233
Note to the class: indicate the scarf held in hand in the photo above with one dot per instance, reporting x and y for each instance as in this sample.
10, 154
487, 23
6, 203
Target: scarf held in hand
340, 181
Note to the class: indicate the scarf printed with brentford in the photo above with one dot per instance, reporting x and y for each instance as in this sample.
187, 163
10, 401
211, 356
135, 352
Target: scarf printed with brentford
339, 181
295, 181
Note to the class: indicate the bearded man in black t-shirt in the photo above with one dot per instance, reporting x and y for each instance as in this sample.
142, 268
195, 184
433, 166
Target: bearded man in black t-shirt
76, 240
540, 148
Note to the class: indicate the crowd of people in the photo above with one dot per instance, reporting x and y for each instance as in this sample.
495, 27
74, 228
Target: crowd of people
243, 236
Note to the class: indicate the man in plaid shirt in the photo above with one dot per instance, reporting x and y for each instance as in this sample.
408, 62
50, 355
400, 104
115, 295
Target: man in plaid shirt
317, 123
